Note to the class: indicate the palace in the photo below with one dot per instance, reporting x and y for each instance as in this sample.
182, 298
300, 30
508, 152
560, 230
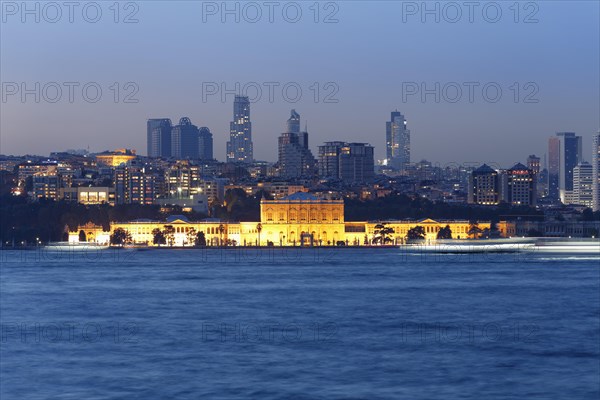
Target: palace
300, 219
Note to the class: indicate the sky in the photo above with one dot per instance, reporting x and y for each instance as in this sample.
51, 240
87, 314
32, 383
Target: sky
488, 82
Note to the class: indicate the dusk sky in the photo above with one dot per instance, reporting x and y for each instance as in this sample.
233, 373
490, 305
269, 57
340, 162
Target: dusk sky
374, 51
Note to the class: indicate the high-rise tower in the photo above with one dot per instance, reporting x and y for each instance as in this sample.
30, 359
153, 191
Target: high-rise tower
239, 146
159, 137
205, 144
569, 156
397, 137
295, 158
184, 140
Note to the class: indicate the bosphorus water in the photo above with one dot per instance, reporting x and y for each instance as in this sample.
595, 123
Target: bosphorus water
298, 323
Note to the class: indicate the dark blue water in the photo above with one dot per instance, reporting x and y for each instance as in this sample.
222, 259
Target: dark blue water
318, 324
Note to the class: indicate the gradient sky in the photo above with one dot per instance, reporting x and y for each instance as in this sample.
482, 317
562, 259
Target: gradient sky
369, 53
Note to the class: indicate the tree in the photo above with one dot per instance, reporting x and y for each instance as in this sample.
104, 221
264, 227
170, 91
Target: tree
474, 230
82, 237
221, 231
120, 237
169, 233
190, 236
445, 233
258, 229
158, 237
416, 233
200, 239
382, 233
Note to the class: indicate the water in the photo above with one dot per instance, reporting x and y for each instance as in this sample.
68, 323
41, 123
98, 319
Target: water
318, 324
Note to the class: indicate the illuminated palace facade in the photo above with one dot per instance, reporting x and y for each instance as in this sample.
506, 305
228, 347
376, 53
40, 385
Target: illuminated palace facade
297, 220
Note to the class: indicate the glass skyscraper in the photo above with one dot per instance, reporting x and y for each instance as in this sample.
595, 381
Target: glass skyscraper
205, 144
569, 156
159, 137
239, 146
397, 138
184, 140
553, 167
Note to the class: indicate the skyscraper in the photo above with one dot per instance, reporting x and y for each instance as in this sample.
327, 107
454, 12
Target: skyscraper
569, 157
205, 144
159, 137
184, 140
293, 123
553, 167
295, 158
596, 172
239, 146
397, 138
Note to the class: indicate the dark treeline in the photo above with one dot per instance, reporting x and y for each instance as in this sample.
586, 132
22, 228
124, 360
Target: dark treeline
48, 220
399, 206
238, 206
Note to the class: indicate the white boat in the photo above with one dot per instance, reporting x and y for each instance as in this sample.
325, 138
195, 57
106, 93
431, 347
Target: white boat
75, 246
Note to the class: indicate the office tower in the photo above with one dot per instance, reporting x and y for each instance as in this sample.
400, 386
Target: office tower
553, 167
534, 164
397, 142
239, 146
205, 144
583, 182
484, 186
596, 172
518, 186
135, 184
351, 163
357, 164
329, 164
184, 140
569, 157
159, 137
293, 123
295, 158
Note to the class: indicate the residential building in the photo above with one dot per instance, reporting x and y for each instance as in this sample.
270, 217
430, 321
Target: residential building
583, 185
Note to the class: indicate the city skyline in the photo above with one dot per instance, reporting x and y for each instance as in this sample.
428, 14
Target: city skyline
436, 53
160, 129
